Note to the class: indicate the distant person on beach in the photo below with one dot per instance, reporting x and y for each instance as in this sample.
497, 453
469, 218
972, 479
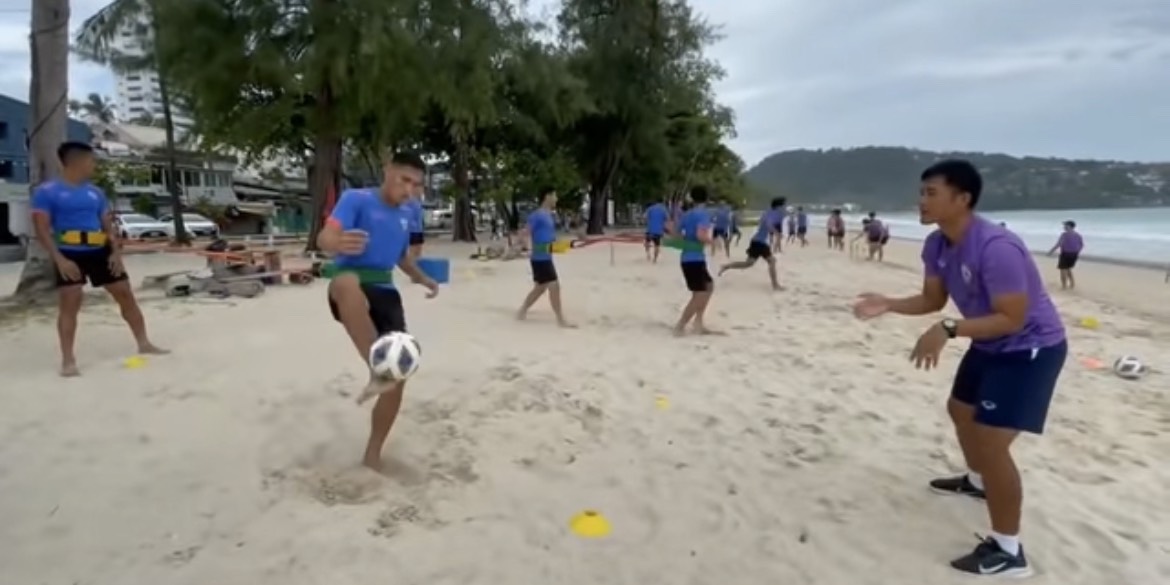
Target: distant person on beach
695, 230
759, 248
885, 239
656, 219
835, 226
861, 235
802, 226
542, 232
791, 225
74, 223
721, 220
778, 227
736, 234
368, 232
874, 232
1070, 245
1006, 379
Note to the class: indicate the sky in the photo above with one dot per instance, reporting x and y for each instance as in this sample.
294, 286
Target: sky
1064, 78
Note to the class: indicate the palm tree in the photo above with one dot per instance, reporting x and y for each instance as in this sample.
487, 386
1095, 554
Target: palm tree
98, 108
95, 42
48, 88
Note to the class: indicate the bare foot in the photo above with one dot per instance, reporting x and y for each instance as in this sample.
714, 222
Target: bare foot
701, 330
69, 370
520, 316
373, 461
778, 287
722, 269
375, 387
151, 349
566, 325
680, 332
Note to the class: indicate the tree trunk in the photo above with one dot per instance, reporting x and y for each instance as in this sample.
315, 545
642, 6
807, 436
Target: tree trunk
49, 99
173, 189
463, 228
325, 168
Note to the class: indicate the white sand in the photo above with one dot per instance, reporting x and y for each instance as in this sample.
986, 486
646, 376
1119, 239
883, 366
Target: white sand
795, 451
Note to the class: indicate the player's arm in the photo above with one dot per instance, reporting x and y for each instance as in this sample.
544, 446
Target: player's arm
1056, 246
1004, 269
409, 266
932, 299
107, 219
704, 232
42, 215
342, 219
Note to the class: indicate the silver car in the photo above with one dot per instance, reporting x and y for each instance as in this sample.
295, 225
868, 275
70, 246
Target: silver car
196, 225
136, 226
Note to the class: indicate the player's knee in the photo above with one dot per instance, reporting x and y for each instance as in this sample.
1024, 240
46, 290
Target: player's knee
69, 298
960, 412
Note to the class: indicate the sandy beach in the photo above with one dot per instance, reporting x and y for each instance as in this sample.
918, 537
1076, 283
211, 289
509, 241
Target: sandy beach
796, 450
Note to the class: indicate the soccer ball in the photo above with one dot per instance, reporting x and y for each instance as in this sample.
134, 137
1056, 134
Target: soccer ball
1129, 367
395, 356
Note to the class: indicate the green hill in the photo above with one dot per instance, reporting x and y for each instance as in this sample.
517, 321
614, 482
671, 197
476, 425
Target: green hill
886, 178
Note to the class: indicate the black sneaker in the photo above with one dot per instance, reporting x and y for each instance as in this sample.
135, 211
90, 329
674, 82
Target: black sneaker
959, 485
988, 559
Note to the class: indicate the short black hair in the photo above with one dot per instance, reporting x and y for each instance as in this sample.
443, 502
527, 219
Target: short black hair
546, 191
700, 194
800, 208
872, 214
836, 212
1070, 223
408, 158
68, 151
959, 174
778, 202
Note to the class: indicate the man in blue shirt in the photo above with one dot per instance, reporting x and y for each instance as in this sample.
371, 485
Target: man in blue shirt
542, 231
802, 225
74, 224
721, 218
695, 230
759, 248
656, 219
369, 235
778, 217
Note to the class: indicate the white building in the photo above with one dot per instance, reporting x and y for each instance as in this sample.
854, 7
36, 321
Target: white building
137, 93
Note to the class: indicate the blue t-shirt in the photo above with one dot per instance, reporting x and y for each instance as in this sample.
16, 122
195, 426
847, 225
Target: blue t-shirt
387, 226
778, 216
544, 233
722, 217
802, 219
698, 218
768, 222
656, 217
71, 208
414, 210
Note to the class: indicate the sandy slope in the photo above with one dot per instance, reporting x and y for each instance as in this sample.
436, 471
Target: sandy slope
793, 451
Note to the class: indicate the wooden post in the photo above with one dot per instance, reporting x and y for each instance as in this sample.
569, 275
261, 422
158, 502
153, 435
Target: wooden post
611, 253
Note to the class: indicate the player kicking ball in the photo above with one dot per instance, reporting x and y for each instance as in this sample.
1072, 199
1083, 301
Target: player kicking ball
369, 234
759, 247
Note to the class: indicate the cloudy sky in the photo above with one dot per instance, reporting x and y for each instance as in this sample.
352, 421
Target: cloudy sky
1068, 78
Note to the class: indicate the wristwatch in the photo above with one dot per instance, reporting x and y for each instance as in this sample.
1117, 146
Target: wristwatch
950, 326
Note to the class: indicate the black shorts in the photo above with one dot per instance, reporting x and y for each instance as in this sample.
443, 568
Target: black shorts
719, 233
385, 309
836, 234
696, 276
94, 266
417, 238
655, 239
1010, 390
1067, 260
885, 240
874, 240
758, 250
543, 271
800, 231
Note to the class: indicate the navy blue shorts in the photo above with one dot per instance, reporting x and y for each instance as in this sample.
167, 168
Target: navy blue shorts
1010, 390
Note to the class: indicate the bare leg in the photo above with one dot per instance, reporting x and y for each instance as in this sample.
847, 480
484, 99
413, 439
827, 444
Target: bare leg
741, 265
727, 246
647, 246
881, 253
132, 314
688, 313
554, 299
533, 296
657, 248
704, 299
1001, 478
382, 418
963, 417
772, 274
68, 307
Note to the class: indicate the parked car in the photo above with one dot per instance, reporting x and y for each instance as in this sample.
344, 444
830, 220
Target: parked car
196, 225
136, 226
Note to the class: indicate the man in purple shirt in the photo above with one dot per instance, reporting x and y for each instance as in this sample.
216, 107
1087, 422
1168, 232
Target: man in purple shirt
1070, 245
1005, 381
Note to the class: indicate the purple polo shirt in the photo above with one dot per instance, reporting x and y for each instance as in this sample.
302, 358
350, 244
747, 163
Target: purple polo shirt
874, 229
988, 262
1071, 243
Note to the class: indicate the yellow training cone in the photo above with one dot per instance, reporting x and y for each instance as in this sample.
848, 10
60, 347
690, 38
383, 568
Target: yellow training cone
134, 362
661, 402
589, 524
1090, 322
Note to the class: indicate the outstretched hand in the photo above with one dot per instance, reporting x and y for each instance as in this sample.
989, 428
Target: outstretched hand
870, 305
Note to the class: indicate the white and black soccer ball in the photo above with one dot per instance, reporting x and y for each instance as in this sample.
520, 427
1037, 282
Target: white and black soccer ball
1129, 367
395, 356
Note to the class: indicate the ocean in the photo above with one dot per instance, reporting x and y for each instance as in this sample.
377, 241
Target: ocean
1132, 235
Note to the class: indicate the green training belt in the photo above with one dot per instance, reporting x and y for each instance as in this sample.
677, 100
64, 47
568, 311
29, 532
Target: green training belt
365, 275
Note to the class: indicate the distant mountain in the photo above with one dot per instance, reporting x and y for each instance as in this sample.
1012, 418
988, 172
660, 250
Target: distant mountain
886, 178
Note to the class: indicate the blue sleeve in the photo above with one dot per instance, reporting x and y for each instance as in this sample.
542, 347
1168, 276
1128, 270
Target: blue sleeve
704, 221
42, 201
345, 213
418, 216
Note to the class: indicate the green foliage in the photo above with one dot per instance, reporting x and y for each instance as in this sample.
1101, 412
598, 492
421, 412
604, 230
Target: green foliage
216, 213
886, 178
109, 174
144, 204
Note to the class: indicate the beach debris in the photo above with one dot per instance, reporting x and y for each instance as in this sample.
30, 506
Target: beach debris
134, 362
661, 402
1089, 323
1092, 363
589, 524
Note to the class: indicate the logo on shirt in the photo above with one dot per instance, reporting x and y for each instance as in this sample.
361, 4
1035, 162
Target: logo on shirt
966, 272
405, 223
93, 194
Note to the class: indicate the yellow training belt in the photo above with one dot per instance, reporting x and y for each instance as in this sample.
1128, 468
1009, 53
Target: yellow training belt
80, 238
